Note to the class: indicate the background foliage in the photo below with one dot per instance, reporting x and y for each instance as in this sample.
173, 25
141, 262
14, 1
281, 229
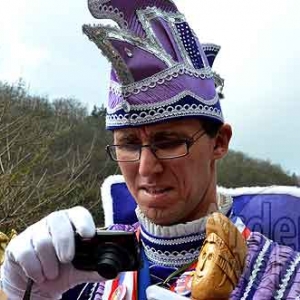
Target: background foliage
52, 156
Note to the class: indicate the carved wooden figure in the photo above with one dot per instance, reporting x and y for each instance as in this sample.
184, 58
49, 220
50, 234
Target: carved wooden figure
221, 260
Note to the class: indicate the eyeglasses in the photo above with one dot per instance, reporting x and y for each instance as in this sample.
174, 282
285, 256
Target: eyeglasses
161, 150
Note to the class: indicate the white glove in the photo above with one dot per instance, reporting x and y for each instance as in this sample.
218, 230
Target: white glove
43, 252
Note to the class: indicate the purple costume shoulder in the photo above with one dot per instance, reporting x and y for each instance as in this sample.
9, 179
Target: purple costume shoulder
272, 271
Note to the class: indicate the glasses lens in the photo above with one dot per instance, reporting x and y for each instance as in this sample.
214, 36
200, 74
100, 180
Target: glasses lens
125, 152
170, 149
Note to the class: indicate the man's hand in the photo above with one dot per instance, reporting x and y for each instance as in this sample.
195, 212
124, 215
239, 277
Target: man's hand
43, 252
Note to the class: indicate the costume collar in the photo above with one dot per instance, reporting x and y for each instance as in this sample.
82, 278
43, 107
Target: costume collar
176, 245
224, 203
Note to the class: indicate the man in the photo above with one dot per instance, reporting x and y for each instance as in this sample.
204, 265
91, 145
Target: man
169, 132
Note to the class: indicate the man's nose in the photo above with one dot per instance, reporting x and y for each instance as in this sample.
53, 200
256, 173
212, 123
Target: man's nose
149, 163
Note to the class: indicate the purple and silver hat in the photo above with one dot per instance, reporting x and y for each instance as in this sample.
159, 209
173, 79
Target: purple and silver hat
160, 71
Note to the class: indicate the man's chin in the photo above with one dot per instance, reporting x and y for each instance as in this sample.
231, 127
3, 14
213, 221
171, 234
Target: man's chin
160, 217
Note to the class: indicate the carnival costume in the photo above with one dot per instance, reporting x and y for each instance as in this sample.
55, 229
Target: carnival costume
161, 72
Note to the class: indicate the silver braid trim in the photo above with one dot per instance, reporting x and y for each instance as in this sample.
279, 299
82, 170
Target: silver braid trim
100, 10
285, 281
256, 268
158, 79
151, 106
171, 259
178, 241
211, 47
163, 113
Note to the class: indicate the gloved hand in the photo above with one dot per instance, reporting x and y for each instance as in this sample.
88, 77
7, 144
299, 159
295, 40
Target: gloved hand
43, 252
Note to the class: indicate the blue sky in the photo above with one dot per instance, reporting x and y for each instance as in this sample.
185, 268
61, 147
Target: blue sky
41, 41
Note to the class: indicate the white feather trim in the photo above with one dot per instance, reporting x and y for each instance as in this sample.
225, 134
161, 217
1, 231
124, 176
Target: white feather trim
106, 198
107, 201
275, 189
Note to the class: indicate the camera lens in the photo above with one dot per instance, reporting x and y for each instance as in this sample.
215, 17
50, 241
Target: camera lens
108, 268
110, 261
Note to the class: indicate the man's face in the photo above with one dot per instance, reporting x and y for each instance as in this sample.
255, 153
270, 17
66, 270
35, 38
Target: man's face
174, 190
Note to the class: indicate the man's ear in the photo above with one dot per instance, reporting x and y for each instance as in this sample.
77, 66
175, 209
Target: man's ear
222, 141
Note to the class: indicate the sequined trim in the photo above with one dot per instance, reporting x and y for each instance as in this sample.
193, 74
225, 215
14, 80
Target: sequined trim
219, 81
183, 52
98, 34
173, 19
160, 114
171, 242
144, 44
211, 47
155, 12
285, 281
101, 11
143, 107
170, 259
158, 79
256, 269
145, 16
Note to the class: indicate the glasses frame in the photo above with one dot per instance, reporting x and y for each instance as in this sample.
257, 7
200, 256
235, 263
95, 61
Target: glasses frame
188, 141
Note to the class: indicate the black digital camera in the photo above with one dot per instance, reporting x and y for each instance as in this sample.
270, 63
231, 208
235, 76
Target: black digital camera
108, 253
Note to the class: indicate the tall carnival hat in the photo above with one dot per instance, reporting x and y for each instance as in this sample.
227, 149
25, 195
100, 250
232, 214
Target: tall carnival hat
160, 71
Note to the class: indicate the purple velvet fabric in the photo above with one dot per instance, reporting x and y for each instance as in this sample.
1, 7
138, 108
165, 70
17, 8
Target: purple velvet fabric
154, 38
165, 37
139, 70
272, 271
165, 92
